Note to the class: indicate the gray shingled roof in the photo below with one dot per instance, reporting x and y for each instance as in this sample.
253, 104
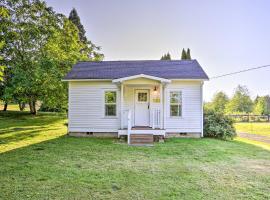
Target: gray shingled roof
169, 69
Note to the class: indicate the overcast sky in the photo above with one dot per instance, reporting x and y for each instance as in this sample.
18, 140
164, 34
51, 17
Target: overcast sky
224, 36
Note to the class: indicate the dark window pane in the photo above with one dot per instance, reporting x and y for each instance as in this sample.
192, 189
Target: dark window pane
142, 97
110, 97
175, 97
110, 110
174, 110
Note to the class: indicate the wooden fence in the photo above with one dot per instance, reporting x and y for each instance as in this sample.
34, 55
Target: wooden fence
250, 118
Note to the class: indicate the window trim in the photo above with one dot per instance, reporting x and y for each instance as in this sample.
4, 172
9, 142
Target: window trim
104, 104
181, 103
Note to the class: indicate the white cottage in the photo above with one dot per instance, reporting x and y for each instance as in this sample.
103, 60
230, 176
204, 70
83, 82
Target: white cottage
140, 99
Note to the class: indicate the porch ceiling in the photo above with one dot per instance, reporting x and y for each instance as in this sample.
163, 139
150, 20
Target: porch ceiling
121, 80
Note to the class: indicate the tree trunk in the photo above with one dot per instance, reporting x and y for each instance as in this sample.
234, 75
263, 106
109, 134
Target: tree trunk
32, 106
21, 106
5, 106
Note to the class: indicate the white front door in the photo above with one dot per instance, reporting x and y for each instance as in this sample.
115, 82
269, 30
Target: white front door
142, 104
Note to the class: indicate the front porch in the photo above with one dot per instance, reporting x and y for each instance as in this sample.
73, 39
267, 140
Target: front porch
142, 106
141, 135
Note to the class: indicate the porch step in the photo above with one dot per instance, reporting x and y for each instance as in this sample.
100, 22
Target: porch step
141, 139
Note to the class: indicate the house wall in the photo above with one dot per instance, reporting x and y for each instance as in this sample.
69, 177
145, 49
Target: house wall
86, 107
191, 119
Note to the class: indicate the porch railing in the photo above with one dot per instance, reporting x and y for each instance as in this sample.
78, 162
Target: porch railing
156, 122
155, 115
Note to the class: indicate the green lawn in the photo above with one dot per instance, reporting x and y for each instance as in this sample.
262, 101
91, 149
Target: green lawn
39, 162
254, 128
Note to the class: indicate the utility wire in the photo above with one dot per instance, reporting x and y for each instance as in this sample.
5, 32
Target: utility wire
238, 72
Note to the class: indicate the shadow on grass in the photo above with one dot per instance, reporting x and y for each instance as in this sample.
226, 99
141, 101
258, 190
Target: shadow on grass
24, 135
42, 118
20, 129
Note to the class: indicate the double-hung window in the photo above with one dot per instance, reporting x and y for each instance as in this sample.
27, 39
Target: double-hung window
175, 103
110, 103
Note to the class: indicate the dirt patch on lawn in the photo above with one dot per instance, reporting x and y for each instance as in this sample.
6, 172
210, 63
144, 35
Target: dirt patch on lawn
258, 138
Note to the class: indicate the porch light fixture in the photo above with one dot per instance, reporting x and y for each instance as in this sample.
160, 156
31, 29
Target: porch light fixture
155, 90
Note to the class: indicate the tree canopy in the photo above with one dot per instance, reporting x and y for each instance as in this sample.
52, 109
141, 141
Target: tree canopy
40, 48
240, 102
219, 102
166, 56
88, 47
262, 105
185, 55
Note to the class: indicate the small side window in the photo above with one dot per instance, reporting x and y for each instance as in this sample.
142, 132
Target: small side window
110, 103
175, 103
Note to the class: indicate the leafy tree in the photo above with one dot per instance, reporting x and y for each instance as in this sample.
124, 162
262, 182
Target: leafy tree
4, 16
184, 54
219, 102
240, 102
261, 105
267, 99
41, 46
166, 56
188, 54
89, 47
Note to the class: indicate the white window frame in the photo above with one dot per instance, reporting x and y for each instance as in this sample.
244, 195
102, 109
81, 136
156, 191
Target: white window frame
104, 103
179, 103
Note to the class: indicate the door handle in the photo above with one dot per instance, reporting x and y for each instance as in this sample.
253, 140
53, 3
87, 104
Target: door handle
148, 106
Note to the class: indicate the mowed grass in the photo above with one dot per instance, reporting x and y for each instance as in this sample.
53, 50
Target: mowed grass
55, 166
254, 128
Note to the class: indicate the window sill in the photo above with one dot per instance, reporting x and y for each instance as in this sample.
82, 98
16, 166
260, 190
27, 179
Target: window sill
176, 117
110, 117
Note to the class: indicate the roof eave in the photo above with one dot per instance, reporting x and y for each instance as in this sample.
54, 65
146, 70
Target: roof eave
120, 80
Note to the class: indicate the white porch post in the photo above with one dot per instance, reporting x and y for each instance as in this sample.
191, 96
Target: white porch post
161, 105
164, 105
121, 105
202, 109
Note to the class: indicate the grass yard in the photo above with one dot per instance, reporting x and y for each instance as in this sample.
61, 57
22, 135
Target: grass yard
254, 128
39, 162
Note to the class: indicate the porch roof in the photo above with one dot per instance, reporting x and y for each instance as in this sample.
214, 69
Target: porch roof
120, 80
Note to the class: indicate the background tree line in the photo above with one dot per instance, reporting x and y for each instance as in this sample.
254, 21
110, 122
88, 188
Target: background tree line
240, 103
185, 55
38, 47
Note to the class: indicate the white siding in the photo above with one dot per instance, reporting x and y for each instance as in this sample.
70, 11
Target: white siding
191, 118
86, 107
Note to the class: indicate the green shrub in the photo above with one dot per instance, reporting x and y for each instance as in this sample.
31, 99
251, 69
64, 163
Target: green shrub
217, 125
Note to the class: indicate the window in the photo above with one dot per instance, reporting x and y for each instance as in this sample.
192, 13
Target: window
175, 104
142, 97
110, 103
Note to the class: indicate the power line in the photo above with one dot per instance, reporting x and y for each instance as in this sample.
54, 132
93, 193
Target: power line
238, 72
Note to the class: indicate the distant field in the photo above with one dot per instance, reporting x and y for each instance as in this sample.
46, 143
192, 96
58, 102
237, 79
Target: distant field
254, 128
13, 107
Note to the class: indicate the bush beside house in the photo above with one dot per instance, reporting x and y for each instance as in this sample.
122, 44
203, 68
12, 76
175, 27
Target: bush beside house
217, 125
